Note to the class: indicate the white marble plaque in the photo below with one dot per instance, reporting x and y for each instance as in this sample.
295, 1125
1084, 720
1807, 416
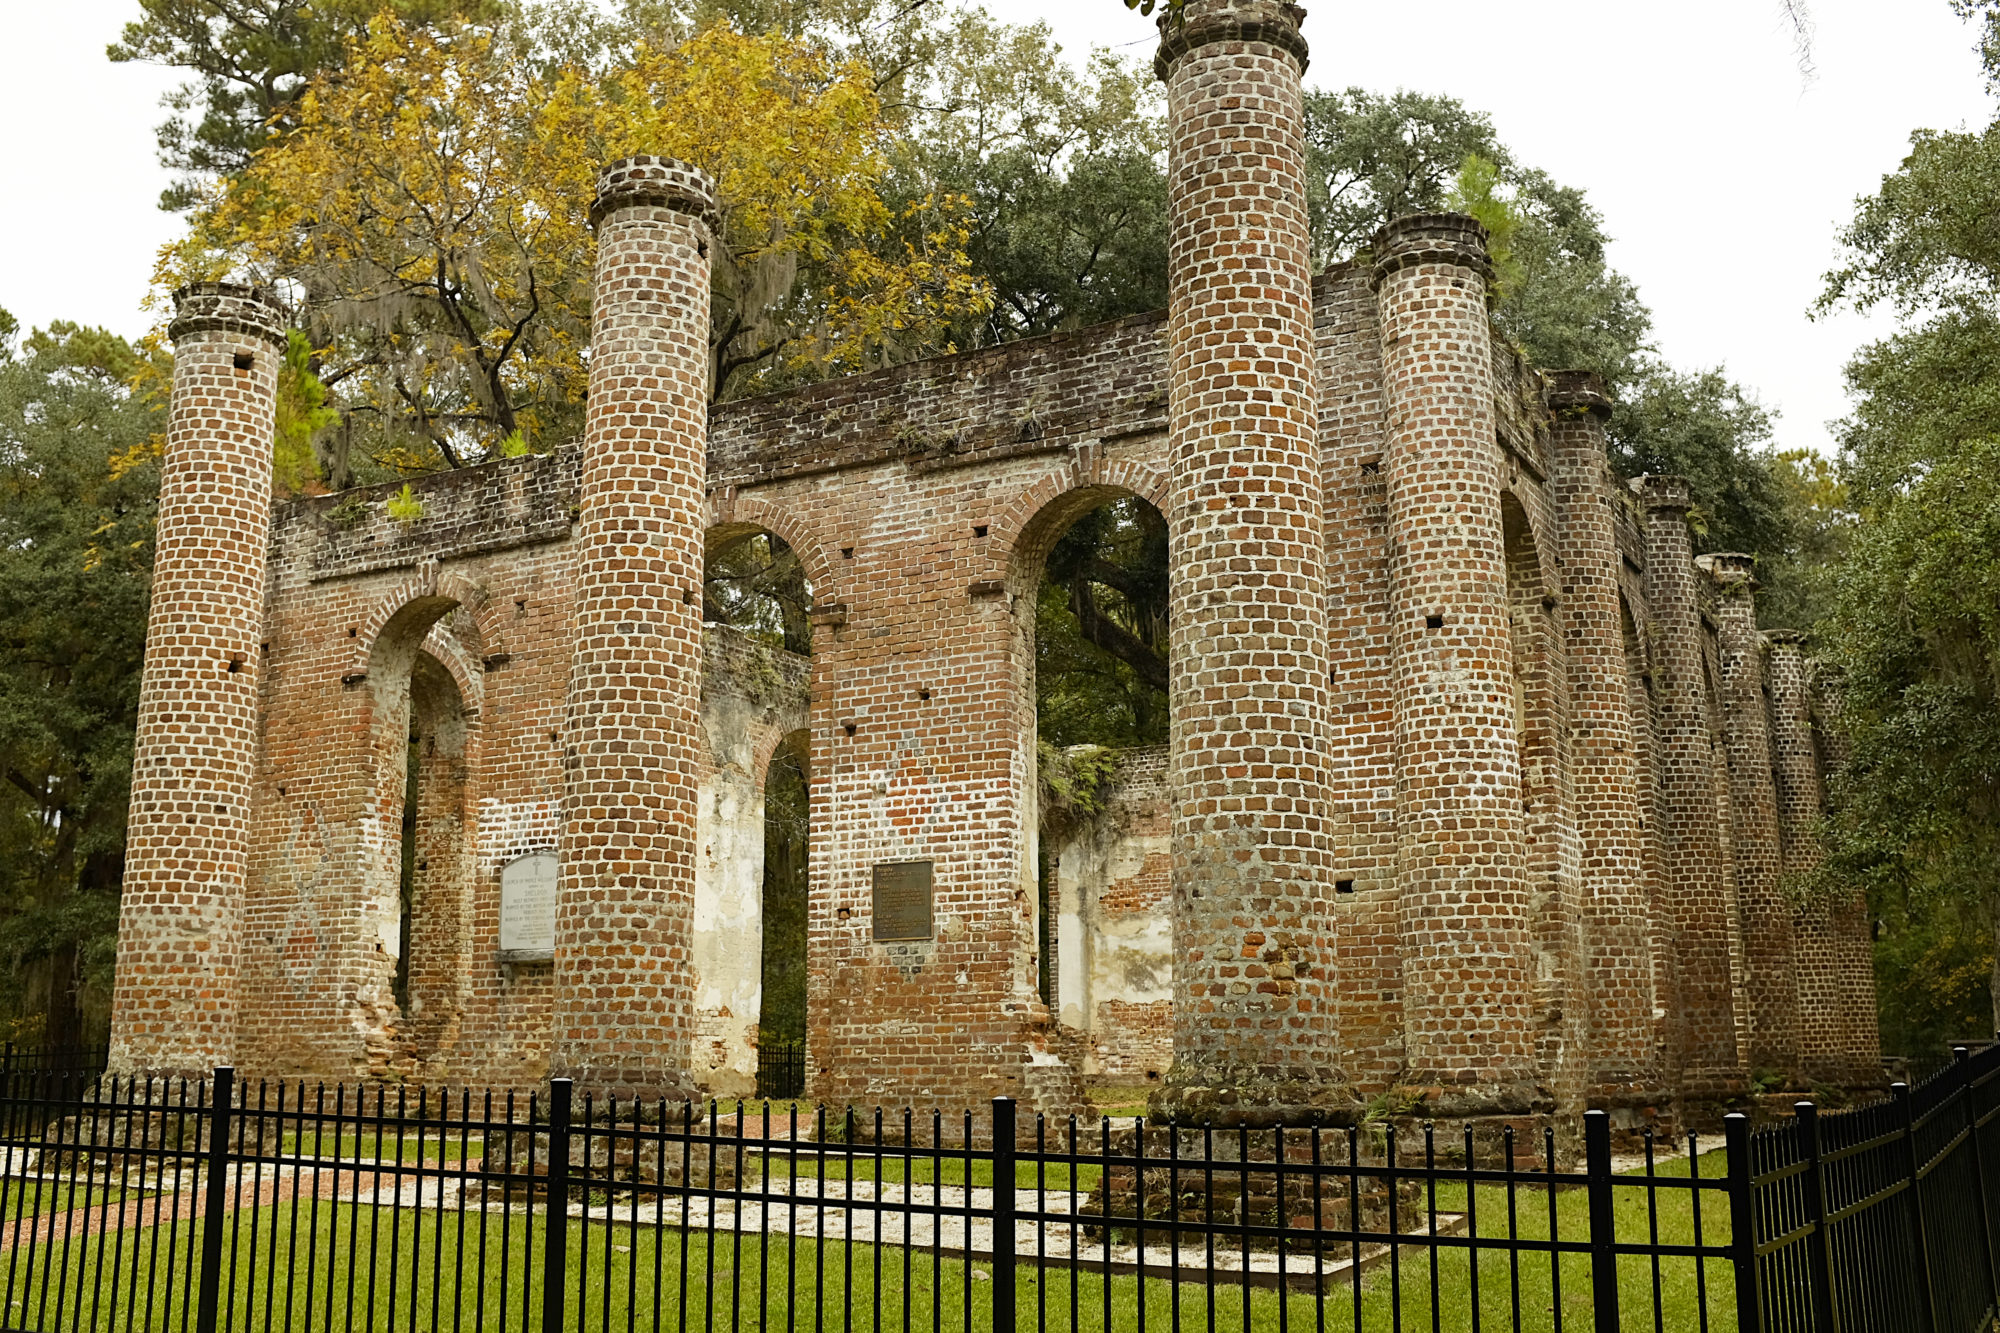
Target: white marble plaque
528, 907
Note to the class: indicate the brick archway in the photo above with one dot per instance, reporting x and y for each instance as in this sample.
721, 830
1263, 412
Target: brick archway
732, 514
1029, 527
438, 591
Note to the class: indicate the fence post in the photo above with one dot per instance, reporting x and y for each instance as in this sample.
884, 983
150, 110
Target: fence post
555, 1245
1819, 1251
1743, 1221
1003, 1214
1906, 1114
1603, 1221
222, 1093
1962, 1061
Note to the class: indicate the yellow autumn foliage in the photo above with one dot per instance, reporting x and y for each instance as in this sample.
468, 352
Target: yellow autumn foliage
430, 216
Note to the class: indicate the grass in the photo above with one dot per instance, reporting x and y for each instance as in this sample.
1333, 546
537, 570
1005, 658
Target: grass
349, 1266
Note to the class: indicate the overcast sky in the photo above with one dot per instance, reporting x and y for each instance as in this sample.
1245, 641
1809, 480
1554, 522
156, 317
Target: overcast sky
1722, 173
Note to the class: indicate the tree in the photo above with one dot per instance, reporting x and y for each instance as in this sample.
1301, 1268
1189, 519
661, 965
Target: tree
1915, 631
428, 209
78, 492
1101, 630
251, 60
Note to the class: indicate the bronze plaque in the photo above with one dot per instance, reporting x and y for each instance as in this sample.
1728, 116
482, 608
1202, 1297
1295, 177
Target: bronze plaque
903, 901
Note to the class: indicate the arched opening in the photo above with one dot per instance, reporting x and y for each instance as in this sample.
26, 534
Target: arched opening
755, 814
437, 871
1095, 563
1531, 634
1539, 722
753, 581
417, 899
781, 1028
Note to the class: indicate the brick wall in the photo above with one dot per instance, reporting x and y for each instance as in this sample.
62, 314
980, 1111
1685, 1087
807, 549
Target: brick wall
1114, 922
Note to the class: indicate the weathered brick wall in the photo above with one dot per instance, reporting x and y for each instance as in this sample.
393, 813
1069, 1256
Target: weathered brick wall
180, 938
1114, 923
752, 698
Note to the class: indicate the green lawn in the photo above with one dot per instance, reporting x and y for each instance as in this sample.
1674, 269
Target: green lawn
352, 1267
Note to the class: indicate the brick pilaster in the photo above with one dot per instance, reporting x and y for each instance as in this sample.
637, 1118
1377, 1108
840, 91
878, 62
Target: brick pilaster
187, 840
1618, 969
624, 921
1697, 881
1468, 977
1254, 983
1770, 972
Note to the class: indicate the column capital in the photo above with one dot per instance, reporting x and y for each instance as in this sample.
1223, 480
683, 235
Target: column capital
1659, 490
1733, 571
1430, 238
227, 307
655, 182
1203, 22
1579, 393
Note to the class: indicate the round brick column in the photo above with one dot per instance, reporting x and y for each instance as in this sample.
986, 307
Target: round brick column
187, 842
624, 919
1467, 971
1770, 975
1254, 985
1696, 879
1618, 971
1839, 1037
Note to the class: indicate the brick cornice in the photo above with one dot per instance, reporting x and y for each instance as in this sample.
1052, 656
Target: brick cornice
1430, 238
1579, 393
227, 307
655, 182
1275, 25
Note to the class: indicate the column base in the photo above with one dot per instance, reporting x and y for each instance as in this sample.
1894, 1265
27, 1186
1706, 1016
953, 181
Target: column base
1252, 1097
628, 1083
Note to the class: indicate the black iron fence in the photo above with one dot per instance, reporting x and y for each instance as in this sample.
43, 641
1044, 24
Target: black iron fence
215, 1205
781, 1070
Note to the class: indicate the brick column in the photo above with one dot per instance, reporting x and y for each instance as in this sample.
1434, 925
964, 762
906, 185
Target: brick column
1697, 883
624, 920
1254, 988
1467, 970
174, 1010
1618, 967
1770, 972
1839, 1042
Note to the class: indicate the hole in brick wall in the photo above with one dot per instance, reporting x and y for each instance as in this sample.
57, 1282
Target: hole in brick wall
555, 736
847, 553
281, 791
701, 248
848, 728
923, 694
979, 530
243, 360
1371, 467
1343, 886
1152, 1076
351, 633
520, 604
264, 648
1433, 622
235, 663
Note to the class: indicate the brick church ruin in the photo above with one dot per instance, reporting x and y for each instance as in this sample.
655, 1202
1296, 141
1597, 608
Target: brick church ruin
1480, 784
